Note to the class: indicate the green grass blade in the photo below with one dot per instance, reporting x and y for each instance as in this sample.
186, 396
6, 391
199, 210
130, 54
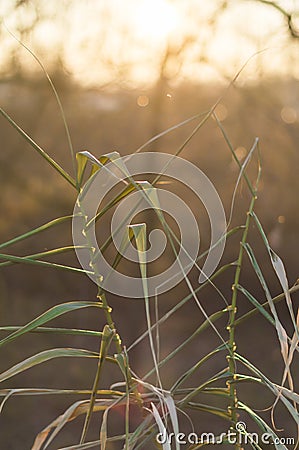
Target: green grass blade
42, 152
51, 314
282, 335
265, 305
139, 231
242, 167
67, 131
55, 251
279, 269
45, 356
142, 432
263, 426
87, 445
30, 233
180, 304
46, 391
194, 368
221, 392
272, 386
287, 353
168, 130
26, 260
211, 319
259, 307
210, 409
223, 374
106, 340
55, 330
127, 190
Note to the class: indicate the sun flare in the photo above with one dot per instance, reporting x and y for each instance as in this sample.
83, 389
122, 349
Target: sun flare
154, 20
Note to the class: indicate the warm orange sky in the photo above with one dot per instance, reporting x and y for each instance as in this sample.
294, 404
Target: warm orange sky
126, 39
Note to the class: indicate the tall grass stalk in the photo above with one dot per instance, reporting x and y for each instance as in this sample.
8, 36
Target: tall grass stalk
231, 327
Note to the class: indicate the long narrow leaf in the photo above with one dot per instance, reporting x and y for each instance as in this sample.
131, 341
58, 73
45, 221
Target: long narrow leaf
106, 340
213, 318
42, 152
70, 414
263, 426
26, 260
265, 305
161, 427
45, 356
280, 272
210, 409
30, 233
56, 330
51, 314
35, 256
257, 304
282, 335
173, 417
277, 391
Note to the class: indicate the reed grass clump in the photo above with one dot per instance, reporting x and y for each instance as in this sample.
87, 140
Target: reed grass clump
219, 394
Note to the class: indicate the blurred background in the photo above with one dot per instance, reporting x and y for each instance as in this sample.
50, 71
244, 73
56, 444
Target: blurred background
126, 71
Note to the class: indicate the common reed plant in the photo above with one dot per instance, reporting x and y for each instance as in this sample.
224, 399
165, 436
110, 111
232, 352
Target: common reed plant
161, 408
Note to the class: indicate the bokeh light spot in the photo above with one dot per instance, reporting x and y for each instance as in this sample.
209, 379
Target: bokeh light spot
281, 219
221, 112
240, 153
288, 114
142, 100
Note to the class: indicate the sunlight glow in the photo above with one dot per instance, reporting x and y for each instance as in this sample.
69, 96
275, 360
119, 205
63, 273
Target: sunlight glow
131, 42
155, 19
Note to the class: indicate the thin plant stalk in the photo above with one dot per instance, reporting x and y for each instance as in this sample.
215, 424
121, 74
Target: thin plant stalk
232, 319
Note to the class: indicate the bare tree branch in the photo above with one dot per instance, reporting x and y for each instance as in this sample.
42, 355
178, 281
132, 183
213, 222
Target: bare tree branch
294, 32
